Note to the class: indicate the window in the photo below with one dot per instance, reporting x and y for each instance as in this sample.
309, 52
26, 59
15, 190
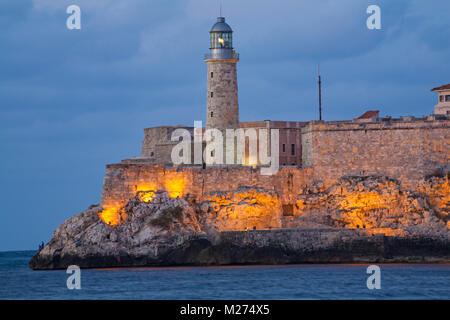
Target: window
212, 114
284, 147
212, 74
293, 149
447, 98
212, 94
212, 153
152, 154
221, 40
441, 98
288, 209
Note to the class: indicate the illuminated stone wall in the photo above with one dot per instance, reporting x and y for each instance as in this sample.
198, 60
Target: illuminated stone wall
122, 181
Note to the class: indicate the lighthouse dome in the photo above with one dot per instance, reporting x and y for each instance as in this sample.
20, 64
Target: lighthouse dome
221, 41
221, 26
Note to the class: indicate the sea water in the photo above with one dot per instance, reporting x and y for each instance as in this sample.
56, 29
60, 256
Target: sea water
398, 281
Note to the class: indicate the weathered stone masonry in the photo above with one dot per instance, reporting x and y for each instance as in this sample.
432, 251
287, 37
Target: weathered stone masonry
341, 187
222, 94
404, 150
122, 181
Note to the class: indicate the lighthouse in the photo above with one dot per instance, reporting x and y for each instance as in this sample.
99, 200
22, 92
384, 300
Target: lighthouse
222, 89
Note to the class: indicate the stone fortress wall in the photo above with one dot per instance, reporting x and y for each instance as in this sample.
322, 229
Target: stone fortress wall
122, 181
354, 147
405, 149
157, 145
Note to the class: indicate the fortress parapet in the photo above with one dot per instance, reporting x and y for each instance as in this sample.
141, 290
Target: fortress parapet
407, 148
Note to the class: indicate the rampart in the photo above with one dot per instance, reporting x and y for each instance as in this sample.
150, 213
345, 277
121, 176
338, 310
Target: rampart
404, 150
122, 181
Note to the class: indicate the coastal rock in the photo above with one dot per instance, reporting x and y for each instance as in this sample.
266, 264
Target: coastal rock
243, 209
376, 202
346, 222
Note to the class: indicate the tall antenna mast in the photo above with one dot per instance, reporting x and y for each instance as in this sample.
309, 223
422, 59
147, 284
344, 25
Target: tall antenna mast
220, 12
320, 95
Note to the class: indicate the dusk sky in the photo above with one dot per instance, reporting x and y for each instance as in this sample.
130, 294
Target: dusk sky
72, 101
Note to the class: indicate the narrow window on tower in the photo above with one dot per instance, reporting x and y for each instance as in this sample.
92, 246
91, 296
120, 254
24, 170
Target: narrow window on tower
293, 149
212, 74
284, 147
212, 94
212, 114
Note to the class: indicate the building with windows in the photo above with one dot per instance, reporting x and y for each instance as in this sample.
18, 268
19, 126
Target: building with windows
443, 106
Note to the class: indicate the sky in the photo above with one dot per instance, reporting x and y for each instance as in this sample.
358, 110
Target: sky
72, 101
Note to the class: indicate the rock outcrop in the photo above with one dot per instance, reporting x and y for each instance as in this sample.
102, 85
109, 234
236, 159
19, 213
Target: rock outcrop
341, 223
376, 202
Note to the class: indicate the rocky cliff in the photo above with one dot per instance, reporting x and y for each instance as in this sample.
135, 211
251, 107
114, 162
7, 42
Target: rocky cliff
357, 219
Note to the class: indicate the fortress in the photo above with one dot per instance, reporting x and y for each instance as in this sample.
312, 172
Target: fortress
407, 149
370, 189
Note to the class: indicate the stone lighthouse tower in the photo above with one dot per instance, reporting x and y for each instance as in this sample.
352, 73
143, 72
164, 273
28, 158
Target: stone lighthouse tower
222, 89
